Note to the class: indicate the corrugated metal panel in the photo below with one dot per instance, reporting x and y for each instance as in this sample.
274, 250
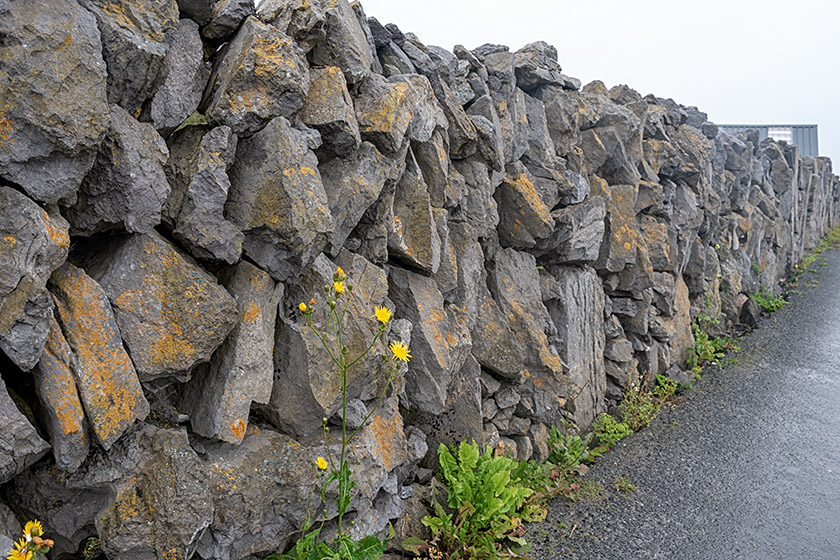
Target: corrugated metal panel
805, 136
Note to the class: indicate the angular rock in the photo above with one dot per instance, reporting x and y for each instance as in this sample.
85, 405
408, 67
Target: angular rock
262, 74
345, 45
523, 216
303, 20
440, 340
661, 243
536, 65
32, 245
241, 371
621, 237
134, 47
352, 185
433, 158
55, 385
225, 17
678, 327
428, 114
20, 445
385, 111
127, 187
187, 74
173, 315
329, 109
106, 379
577, 234
306, 381
197, 171
277, 199
414, 239
574, 299
48, 151
461, 418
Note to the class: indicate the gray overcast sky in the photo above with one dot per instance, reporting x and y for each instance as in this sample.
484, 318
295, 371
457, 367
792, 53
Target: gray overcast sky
739, 61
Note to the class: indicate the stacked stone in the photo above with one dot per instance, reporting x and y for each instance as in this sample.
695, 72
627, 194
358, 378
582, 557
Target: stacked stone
175, 177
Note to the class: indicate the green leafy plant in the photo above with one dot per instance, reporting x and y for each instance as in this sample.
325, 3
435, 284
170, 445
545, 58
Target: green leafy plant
330, 333
92, 546
608, 431
665, 387
757, 268
568, 449
486, 497
707, 349
623, 483
830, 241
768, 301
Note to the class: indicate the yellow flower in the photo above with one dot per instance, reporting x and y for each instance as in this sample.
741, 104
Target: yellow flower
400, 351
322, 463
302, 307
796, 266
19, 552
382, 314
338, 287
33, 529
339, 272
717, 246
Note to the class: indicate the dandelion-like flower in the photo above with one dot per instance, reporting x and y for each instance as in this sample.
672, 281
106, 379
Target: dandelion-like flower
322, 463
340, 272
19, 551
302, 307
338, 287
33, 529
400, 351
382, 314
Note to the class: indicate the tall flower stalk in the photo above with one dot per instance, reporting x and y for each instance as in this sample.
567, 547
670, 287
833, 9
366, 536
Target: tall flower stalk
338, 296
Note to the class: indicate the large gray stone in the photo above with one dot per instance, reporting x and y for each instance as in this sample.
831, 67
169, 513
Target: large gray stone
414, 239
20, 445
385, 110
577, 234
262, 74
197, 172
61, 408
523, 215
536, 65
440, 341
107, 381
329, 109
134, 47
50, 125
172, 315
127, 187
345, 44
218, 400
187, 74
32, 245
303, 20
277, 199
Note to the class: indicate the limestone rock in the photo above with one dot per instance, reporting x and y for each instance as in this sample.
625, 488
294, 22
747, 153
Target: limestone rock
241, 371
306, 381
262, 74
107, 381
345, 44
32, 245
127, 187
536, 65
197, 172
575, 301
173, 315
618, 248
20, 445
134, 47
329, 109
352, 185
414, 239
523, 216
277, 199
186, 76
48, 149
55, 384
577, 234
440, 341
385, 111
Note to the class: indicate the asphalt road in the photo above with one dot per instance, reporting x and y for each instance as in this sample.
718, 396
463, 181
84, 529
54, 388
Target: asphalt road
748, 467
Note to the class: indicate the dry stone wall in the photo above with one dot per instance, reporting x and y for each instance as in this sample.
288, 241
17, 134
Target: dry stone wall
176, 177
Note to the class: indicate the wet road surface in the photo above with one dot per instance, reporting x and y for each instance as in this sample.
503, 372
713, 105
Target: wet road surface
748, 467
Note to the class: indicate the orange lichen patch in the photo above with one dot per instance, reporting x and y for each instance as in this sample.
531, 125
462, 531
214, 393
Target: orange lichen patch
237, 428
117, 14
172, 554
9, 242
391, 112
58, 385
7, 129
107, 381
390, 440
59, 236
252, 313
130, 506
274, 55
